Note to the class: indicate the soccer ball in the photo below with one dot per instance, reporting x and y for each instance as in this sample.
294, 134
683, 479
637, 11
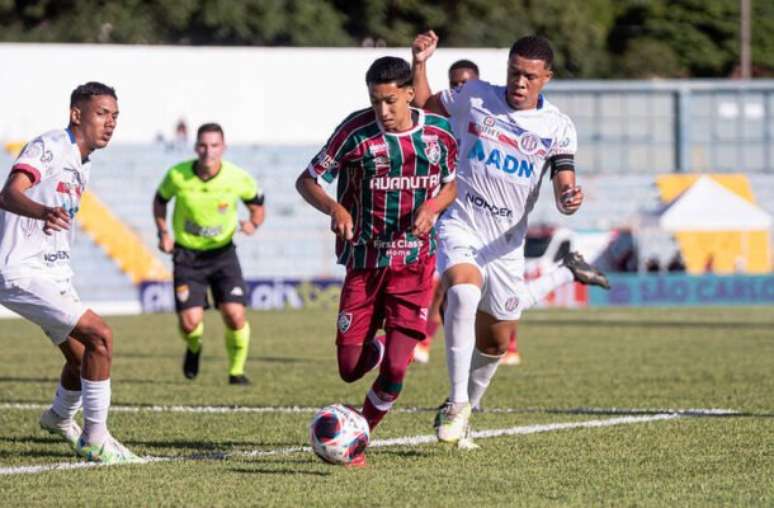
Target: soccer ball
338, 434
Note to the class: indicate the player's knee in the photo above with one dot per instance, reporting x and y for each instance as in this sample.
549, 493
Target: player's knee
234, 321
101, 340
188, 325
348, 375
462, 300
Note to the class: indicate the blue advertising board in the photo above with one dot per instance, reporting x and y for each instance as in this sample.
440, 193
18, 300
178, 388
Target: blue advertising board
684, 290
262, 294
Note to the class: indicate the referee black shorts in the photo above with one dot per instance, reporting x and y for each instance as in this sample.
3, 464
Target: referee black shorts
195, 271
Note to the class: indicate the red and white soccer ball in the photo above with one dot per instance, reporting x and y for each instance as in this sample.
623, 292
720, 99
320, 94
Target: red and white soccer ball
338, 434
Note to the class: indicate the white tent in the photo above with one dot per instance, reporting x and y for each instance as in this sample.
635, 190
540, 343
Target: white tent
708, 206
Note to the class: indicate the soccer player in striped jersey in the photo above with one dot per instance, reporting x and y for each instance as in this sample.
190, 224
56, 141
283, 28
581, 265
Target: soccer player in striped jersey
396, 167
510, 137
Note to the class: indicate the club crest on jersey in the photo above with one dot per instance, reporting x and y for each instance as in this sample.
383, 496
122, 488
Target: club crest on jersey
344, 321
182, 293
529, 143
433, 152
222, 207
512, 303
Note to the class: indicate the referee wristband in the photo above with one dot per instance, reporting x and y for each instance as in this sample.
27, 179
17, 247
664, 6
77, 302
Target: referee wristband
162, 232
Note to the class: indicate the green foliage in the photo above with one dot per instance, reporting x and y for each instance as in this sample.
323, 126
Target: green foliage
592, 38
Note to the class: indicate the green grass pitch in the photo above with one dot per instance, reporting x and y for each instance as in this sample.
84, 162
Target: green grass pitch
636, 361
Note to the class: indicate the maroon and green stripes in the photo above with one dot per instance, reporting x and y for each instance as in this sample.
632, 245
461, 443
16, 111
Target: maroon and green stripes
383, 179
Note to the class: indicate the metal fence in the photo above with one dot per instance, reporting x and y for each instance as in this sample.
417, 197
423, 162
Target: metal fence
646, 127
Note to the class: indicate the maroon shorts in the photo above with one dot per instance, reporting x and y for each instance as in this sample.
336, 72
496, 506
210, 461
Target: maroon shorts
384, 298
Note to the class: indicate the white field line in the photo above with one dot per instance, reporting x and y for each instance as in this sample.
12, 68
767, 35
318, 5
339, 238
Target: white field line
309, 409
379, 443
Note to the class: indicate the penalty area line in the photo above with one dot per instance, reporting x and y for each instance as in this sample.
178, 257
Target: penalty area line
379, 443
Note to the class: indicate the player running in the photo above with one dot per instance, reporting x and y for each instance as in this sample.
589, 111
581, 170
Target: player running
39, 201
510, 137
396, 167
460, 72
206, 191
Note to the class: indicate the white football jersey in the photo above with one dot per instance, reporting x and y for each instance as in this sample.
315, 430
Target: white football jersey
503, 155
59, 177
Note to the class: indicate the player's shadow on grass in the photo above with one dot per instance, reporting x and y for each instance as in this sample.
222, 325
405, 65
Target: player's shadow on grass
405, 454
209, 446
54, 448
29, 379
283, 471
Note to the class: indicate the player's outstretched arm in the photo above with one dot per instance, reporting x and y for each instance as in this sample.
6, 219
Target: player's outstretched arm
568, 196
421, 49
425, 215
14, 200
341, 220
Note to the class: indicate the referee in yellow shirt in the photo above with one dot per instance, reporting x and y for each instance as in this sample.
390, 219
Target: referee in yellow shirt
206, 191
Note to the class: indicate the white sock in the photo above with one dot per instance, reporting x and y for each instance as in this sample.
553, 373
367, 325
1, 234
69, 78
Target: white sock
96, 403
539, 288
482, 370
460, 331
66, 402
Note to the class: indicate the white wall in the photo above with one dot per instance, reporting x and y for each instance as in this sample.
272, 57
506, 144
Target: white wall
259, 95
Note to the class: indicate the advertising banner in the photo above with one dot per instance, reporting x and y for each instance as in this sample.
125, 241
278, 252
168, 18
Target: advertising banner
684, 290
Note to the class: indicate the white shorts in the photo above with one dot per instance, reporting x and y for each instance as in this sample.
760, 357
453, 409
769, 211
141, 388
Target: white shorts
504, 288
50, 303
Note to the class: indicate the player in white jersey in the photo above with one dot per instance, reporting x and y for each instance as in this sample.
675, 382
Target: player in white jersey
510, 136
37, 205
460, 72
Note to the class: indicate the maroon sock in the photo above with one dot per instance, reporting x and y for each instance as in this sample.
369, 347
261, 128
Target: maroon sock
387, 386
355, 361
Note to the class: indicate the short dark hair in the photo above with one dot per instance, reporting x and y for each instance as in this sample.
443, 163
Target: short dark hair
389, 69
210, 127
533, 47
88, 90
464, 64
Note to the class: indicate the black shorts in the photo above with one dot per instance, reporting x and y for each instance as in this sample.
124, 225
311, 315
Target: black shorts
195, 271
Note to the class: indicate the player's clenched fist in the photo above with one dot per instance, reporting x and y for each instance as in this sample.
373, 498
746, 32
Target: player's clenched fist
423, 219
341, 223
571, 200
424, 45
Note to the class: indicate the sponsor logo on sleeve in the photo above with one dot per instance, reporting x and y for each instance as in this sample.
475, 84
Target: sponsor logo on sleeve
325, 161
